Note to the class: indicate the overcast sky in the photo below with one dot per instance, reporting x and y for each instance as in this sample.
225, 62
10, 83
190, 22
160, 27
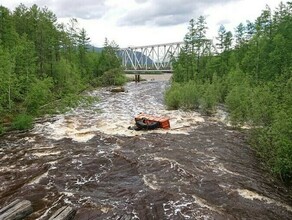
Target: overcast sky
146, 22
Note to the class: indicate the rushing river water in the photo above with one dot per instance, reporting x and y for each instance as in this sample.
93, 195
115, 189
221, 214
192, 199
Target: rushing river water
88, 159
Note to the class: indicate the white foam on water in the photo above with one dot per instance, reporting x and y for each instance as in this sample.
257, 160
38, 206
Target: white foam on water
46, 153
204, 204
115, 112
7, 168
83, 180
176, 207
150, 180
221, 169
175, 166
37, 179
247, 194
68, 194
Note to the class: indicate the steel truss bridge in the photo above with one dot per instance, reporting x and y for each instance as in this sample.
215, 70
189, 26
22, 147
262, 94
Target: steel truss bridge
150, 58
157, 58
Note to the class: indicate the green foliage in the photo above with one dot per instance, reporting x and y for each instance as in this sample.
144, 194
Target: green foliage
22, 122
38, 95
113, 77
254, 80
274, 144
192, 95
172, 96
108, 59
69, 101
67, 78
282, 130
1, 129
190, 62
182, 96
262, 106
209, 98
8, 89
238, 103
43, 63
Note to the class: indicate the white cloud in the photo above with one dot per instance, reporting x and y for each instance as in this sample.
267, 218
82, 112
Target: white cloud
144, 22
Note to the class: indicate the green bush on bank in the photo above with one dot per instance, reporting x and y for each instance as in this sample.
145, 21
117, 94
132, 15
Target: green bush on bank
22, 122
254, 81
38, 95
1, 129
238, 103
184, 96
192, 95
268, 113
172, 97
114, 77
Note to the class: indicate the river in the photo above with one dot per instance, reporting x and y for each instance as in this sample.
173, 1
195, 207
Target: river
88, 158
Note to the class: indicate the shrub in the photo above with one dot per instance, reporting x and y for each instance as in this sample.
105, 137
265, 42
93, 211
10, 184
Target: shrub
274, 143
282, 130
22, 122
113, 77
262, 106
209, 98
67, 78
172, 97
238, 103
38, 95
190, 94
1, 129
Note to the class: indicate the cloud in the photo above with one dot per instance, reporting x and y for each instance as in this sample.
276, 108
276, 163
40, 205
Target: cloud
167, 12
141, 1
86, 9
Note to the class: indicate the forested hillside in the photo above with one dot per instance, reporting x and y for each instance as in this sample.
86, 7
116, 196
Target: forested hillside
42, 61
250, 72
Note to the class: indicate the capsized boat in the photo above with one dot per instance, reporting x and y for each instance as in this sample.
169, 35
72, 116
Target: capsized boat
150, 122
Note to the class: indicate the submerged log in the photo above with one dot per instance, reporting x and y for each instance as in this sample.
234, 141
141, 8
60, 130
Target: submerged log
18, 209
63, 213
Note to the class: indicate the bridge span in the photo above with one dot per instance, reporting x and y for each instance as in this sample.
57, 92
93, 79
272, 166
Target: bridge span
151, 58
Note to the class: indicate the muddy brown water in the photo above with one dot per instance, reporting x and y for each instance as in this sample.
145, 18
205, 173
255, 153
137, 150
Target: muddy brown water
88, 159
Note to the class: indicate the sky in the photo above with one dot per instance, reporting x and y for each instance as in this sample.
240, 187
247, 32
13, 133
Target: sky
148, 22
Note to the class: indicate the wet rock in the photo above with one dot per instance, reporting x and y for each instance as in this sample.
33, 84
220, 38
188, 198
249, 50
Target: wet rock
18, 209
64, 213
118, 89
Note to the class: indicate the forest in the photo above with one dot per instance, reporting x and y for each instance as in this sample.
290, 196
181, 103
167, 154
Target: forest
249, 73
45, 65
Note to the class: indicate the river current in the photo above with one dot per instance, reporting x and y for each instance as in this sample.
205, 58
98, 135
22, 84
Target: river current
200, 168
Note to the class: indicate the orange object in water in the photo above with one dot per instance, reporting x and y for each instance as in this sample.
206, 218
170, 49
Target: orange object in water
163, 121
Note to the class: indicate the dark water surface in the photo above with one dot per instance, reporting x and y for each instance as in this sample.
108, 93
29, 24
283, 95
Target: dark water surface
87, 158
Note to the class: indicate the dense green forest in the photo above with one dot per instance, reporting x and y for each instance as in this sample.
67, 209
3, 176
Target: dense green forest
250, 73
44, 64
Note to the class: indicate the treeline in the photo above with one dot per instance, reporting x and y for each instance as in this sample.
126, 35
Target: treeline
250, 72
42, 61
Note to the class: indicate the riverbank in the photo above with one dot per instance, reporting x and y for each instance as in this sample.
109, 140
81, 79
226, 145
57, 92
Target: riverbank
152, 77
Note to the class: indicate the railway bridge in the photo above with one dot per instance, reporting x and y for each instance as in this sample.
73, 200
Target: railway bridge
159, 57
151, 58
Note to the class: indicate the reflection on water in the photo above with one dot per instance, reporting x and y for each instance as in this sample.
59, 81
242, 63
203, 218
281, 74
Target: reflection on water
88, 159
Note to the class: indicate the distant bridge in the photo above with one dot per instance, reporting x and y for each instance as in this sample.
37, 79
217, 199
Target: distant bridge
150, 58
159, 57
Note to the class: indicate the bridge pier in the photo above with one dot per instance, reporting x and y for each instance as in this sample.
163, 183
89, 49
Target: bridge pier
137, 78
